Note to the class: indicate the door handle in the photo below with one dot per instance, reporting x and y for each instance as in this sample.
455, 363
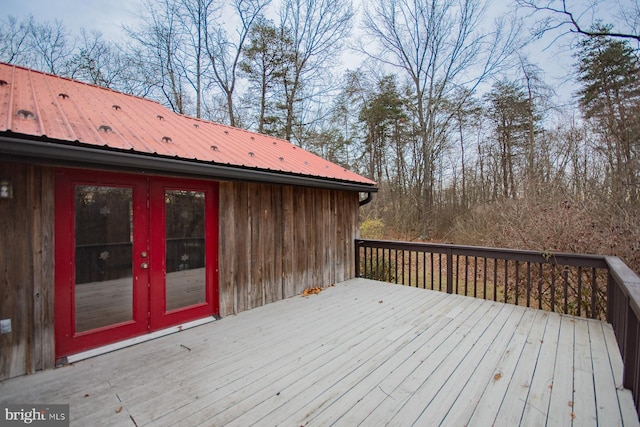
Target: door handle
144, 265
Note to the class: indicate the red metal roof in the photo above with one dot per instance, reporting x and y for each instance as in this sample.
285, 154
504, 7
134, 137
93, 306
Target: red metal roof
36, 104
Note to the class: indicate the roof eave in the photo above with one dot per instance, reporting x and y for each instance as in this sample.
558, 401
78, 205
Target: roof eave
47, 151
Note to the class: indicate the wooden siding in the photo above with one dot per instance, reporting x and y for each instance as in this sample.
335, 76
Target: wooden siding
26, 270
275, 241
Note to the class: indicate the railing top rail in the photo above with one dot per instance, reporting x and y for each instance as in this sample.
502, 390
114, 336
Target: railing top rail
628, 281
578, 260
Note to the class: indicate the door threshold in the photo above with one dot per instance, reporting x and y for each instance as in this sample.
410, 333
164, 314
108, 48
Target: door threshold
135, 340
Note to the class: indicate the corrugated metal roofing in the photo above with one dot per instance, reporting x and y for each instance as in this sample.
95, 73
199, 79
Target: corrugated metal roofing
36, 104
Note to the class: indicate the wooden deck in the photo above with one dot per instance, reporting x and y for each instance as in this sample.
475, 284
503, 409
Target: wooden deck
360, 353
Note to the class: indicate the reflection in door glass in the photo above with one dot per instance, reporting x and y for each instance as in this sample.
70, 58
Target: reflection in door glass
185, 259
103, 250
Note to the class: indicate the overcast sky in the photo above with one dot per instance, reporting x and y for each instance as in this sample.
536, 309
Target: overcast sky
108, 16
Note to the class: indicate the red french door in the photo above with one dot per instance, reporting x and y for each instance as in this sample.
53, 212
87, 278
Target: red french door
183, 271
134, 254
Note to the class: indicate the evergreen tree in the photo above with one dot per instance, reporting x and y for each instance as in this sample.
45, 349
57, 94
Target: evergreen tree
381, 116
508, 110
610, 98
264, 65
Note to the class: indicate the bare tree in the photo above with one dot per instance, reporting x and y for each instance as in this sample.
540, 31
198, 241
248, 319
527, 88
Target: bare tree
48, 46
466, 116
104, 63
194, 16
14, 37
630, 15
225, 52
316, 30
439, 45
538, 105
557, 15
157, 52
45, 46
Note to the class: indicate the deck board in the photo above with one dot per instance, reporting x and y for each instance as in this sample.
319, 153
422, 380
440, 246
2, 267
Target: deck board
431, 378
541, 384
360, 353
478, 358
466, 399
584, 403
358, 403
561, 399
480, 406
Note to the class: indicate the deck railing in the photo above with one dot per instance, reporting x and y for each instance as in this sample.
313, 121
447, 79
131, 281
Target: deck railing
592, 286
623, 312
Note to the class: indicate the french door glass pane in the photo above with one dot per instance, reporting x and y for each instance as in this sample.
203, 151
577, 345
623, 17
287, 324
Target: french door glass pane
103, 254
185, 250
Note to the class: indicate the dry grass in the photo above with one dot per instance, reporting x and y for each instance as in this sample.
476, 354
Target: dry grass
556, 225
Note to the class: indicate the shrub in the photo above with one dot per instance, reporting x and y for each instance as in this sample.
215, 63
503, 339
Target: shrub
382, 269
372, 229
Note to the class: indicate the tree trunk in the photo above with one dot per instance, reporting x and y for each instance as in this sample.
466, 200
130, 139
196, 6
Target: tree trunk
232, 121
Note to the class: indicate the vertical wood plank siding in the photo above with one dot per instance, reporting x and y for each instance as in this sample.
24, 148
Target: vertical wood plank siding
275, 241
26, 270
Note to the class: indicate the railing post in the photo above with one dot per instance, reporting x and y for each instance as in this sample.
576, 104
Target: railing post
630, 353
449, 271
610, 297
357, 258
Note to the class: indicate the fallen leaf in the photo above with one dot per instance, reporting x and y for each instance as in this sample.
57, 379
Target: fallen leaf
119, 410
497, 376
311, 291
86, 395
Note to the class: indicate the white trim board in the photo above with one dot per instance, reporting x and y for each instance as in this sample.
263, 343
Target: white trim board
137, 340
